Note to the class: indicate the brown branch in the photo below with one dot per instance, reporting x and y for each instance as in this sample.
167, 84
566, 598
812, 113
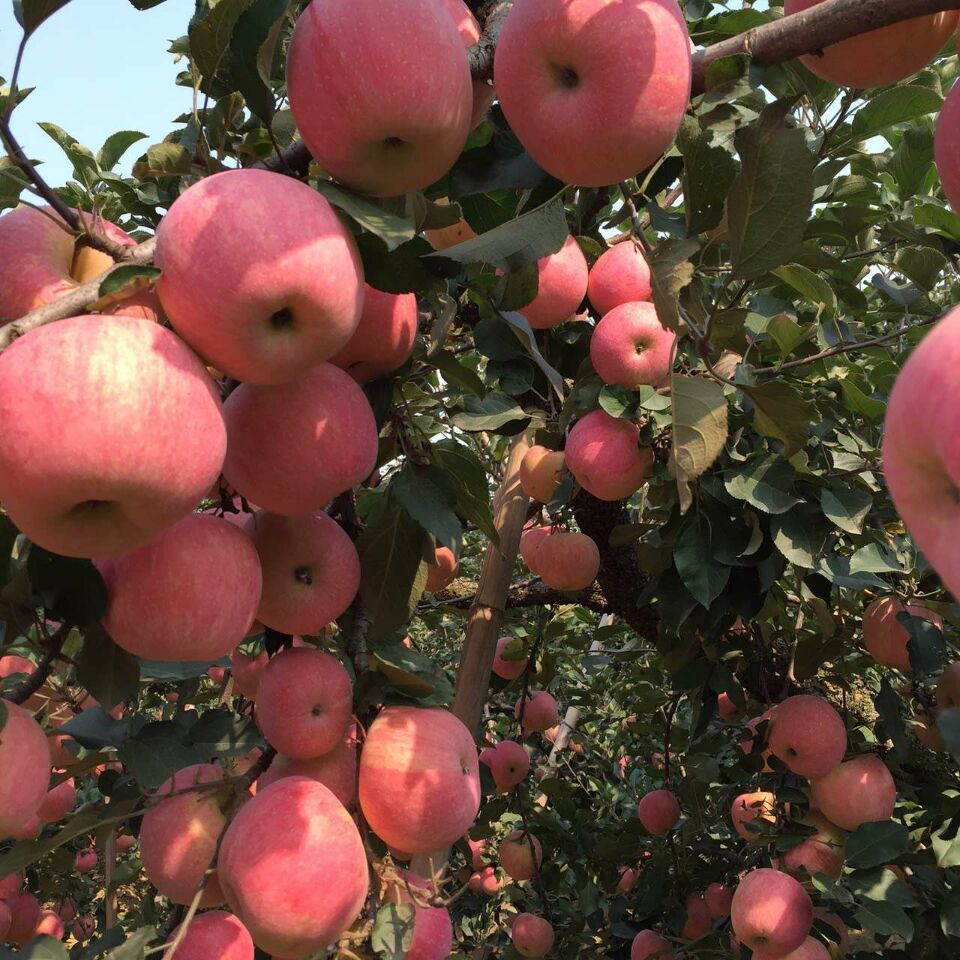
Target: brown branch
23, 691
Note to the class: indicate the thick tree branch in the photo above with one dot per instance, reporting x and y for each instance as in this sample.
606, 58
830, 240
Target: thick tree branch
25, 690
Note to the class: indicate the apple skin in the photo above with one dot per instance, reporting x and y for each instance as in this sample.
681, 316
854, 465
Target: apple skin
727, 709
83, 928
620, 275
507, 669
658, 811
24, 917
948, 687
540, 712
946, 147
649, 945
561, 287
419, 779
567, 561
485, 881
559, 78
771, 911
808, 735
384, 338
432, 926
810, 949
85, 861
718, 898
442, 573
160, 604
509, 764
627, 879
921, 469
394, 130
630, 347
885, 638
605, 457
823, 852
276, 862
215, 934
49, 925
311, 570
530, 540
516, 858
857, 792
879, 57
699, 922
76, 476
59, 801
746, 745
246, 672
10, 885
336, 770
293, 448
23, 748
541, 472
178, 836
260, 275
748, 808
304, 702
532, 936
5, 919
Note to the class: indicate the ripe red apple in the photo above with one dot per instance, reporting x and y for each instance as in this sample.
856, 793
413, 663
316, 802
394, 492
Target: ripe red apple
292, 448
948, 687
822, 852
532, 936
24, 917
478, 853
419, 778
627, 879
857, 792
49, 925
879, 57
10, 885
923, 474
561, 287
246, 672
727, 709
5, 919
23, 748
59, 801
83, 928
541, 471
558, 75
393, 130
336, 770
658, 811
509, 764
76, 473
605, 457
885, 637
161, 605
946, 147
485, 881
540, 712
442, 573
649, 945
125, 842
620, 275
530, 540
304, 702
567, 560
508, 669
215, 934
699, 922
516, 857
311, 571
749, 808
85, 861
293, 868
808, 735
432, 927
718, 898
260, 275
810, 949
771, 911
630, 348
178, 836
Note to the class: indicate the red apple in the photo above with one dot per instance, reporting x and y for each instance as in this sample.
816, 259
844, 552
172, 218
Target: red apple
59, 801
432, 928
810, 949
718, 898
216, 934
532, 936
561, 287
85, 861
567, 561
6, 918
822, 852
605, 457
946, 147
24, 749
247, 672
24, 917
771, 911
541, 471
530, 540
442, 573
699, 922
83, 928
620, 275
508, 669
469, 30
509, 764
630, 347
49, 925
885, 637
627, 879
485, 881
540, 712
857, 792
649, 945
748, 809
516, 856
948, 687
808, 735
336, 770
658, 811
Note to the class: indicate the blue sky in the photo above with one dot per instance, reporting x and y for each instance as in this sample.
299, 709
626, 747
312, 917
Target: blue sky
99, 66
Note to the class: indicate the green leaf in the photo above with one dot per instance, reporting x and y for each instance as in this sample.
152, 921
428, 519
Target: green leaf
392, 931
708, 173
115, 146
521, 327
884, 919
950, 914
210, 36
492, 412
926, 647
250, 54
874, 844
222, 732
85, 167
948, 723
390, 228
671, 271
769, 204
765, 483
471, 482
40, 948
800, 534
110, 674
31, 13
430, 497
811, 286
158, 751
699, 430
874, 558
847, 507
164, 160
895, 105
412, 674
857, 401
173, 671
95, 728
134, 947
126, 278
69, 588
781, 413
946, 842
701, 575
457, 374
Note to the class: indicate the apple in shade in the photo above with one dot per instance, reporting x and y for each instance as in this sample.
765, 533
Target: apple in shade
83, 928
178, 836
857, 792
530, 539
160, 604
304, 702
649, 945
771, 912
605, 457
5, 919
311, 571
419, 778
517, 857
24, 917
432, 927
567, 560
539, 712
485, 881
727, 708
478, 852
620, 275
946, 147
627, 879
810, 949
392, 131
508, 669
532, 936
276, 862
750, 811
469, 30
292, 448
879, 57
630, 348
541, 471
24, 748
49, 925
10, 885
948, 687
260, 275
336, 770
885, 638
821, 852
558, 78
509, 764
921, 468
125, 842
718, 897
699, 921
384, 338
91, 487
85, 861
561, 287
246, 672
658, 811
216, 934
808, 735
442, 573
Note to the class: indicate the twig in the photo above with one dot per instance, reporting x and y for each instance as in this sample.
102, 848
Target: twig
23, 691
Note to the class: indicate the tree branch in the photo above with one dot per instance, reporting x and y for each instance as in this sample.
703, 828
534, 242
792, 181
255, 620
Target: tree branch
25, 690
